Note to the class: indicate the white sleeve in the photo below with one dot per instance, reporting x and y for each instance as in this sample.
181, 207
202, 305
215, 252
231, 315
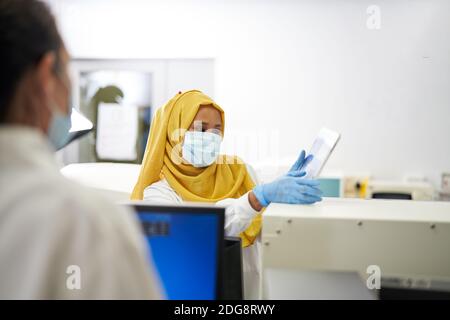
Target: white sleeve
161, 192
127, 267
106, 246
238, 214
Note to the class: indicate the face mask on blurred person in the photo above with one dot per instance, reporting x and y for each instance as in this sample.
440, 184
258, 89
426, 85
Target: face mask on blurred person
58, 132
60, 123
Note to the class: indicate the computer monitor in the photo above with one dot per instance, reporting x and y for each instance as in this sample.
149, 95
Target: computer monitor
186, 244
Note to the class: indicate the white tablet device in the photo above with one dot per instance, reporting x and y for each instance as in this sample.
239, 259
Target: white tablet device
321, 149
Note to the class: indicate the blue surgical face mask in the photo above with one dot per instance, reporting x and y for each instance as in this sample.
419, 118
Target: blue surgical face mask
58, 131
60, 123
201, 149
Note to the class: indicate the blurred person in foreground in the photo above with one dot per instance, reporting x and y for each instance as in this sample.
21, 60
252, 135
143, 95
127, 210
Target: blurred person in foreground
57, 239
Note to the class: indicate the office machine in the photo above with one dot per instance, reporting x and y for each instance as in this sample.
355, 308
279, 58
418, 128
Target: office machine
379, 189
398, 249
292, 284
186, 244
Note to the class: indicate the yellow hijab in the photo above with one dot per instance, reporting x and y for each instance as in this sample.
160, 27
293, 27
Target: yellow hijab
226, 178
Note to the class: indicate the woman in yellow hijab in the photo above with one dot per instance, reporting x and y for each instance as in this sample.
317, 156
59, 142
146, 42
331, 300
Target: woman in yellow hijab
182, 163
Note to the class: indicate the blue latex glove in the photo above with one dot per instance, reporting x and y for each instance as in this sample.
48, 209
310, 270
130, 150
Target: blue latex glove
301, 163
290, 188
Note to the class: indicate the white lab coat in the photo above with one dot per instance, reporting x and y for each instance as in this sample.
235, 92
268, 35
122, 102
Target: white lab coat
238, 216
48, 223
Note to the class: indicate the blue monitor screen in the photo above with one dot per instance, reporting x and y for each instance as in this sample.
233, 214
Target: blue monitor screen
184, 247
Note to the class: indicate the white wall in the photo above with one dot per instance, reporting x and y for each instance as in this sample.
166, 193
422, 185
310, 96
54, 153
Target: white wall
290, 67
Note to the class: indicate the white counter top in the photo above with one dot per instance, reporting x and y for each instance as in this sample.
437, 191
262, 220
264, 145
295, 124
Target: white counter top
375, 209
